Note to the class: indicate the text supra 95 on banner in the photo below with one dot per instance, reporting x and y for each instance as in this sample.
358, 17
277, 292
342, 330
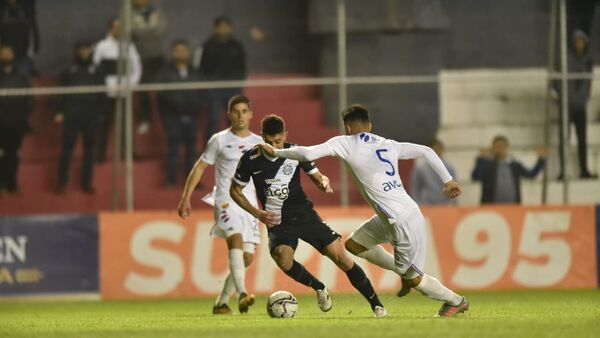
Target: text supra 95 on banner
159, 255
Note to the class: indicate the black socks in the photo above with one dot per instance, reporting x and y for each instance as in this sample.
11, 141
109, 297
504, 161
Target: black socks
359, 280
301, 275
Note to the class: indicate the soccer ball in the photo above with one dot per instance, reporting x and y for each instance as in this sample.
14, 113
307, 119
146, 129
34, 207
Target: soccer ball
282, 304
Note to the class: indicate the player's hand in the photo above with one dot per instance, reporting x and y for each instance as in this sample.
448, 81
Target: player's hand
269, 218
267, 149
184, 209
452, 189
324, 185
59, 118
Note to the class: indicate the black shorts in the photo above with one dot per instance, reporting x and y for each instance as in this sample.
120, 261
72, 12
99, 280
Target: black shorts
308, 227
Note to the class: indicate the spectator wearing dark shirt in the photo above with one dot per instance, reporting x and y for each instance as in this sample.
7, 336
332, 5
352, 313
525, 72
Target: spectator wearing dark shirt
79, 114
179, 110
500, 175
19, 29
223, 58
14, 113
148, 29
579, 61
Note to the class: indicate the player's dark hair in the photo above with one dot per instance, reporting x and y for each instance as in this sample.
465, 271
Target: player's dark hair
272, 125
222, 19
180, 42
356, 112
500, 138
237, 99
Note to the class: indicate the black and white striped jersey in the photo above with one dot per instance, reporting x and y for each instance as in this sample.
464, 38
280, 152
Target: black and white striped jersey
277, 182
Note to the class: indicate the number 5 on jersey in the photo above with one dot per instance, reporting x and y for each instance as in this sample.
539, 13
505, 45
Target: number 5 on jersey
379, 153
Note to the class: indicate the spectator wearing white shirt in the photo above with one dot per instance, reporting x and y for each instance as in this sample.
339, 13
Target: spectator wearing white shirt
106, 56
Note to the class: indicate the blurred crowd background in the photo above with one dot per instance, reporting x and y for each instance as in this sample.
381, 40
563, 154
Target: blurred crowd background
479, 81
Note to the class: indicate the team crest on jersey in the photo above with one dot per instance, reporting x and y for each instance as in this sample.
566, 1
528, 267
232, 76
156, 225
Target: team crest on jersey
224, 205
288, 169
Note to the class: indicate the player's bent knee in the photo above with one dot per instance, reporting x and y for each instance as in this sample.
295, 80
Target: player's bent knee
283, 258
235, 241
248, 257
413, 282
353, 247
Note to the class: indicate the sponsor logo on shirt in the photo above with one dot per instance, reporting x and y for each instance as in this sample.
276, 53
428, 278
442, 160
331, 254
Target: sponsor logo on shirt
280, 192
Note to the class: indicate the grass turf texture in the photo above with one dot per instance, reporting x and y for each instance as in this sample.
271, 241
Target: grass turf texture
492, 314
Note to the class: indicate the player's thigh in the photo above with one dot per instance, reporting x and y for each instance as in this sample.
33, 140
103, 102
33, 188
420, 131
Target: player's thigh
315, 232
410, 246
335, 251
372, 232
231, 220
282, 245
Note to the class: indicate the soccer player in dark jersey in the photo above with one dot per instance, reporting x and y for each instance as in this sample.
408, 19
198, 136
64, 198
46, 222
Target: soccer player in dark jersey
289, 215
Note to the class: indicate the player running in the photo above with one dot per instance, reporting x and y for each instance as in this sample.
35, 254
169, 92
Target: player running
239, 228
289, 215
398, 220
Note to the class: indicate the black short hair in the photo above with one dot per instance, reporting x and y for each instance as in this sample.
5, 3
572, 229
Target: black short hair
237, 99
111, 22
222, 19
272, 125
180, 42
356, 112
500, 138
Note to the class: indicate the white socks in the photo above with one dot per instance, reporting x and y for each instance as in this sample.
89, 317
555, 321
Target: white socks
238, 270
432, 288
228, 289
379, 256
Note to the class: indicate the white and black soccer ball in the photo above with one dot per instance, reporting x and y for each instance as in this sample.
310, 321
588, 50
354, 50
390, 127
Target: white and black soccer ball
282, 304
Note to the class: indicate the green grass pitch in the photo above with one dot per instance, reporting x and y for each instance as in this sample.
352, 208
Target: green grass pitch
567, 313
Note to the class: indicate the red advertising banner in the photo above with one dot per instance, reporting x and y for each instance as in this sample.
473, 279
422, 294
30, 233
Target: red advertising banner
159, 255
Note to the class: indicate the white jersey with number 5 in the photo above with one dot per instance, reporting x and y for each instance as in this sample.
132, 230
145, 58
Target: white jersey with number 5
374, 164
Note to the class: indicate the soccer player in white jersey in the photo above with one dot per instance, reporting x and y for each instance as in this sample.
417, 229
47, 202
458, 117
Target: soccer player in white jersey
237, 227
398, 219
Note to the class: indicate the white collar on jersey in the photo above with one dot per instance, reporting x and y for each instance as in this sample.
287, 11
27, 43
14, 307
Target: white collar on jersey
272, 159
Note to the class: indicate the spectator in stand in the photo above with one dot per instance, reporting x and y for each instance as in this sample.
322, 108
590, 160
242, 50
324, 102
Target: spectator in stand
426, 185
580, 61
14, 112
79, 114
222, 58
106, 55
500, 175
19, 29
179, 110
148, 28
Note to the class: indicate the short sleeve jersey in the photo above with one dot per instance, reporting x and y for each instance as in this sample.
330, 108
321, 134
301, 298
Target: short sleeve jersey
277, 182
224, 150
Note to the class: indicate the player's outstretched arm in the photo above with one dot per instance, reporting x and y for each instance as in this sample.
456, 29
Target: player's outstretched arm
410, 150
268, 218
193, 179
298, 153
321, 181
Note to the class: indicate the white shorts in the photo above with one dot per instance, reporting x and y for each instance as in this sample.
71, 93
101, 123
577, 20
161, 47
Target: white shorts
408, 237
231, 219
